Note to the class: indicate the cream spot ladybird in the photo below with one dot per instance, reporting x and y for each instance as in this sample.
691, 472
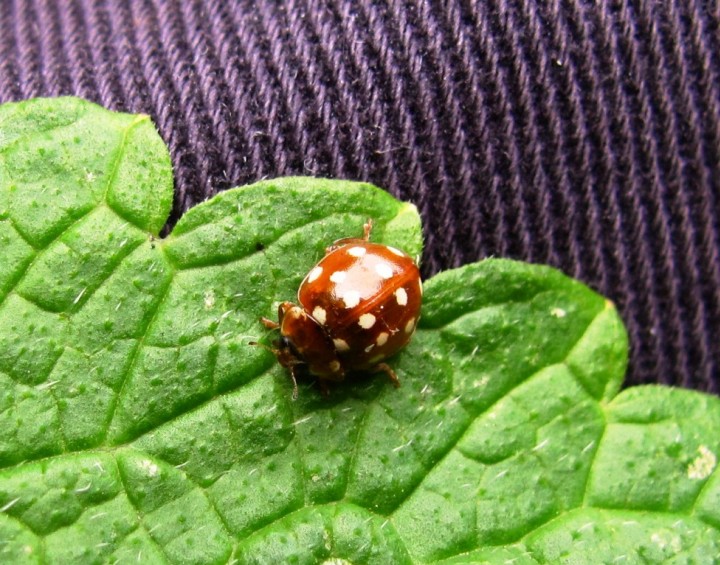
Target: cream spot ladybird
357, 307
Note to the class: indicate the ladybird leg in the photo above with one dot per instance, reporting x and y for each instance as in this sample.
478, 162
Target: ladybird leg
293, 376
385, 368
367, 228
269, 324
283, 307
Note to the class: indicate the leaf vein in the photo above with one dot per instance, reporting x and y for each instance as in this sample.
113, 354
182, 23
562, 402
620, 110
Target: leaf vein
136, 352
464, 431
140, 515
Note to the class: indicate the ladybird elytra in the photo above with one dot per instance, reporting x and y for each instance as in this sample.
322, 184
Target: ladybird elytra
358, 306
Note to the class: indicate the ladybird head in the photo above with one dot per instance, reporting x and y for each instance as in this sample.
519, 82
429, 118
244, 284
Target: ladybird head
304, 342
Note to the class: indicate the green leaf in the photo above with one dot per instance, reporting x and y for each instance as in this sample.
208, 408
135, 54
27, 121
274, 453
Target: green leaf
138, 425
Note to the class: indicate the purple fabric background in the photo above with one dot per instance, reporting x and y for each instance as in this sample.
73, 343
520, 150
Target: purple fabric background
577, 133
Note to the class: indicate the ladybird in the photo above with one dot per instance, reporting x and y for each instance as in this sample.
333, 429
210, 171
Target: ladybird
358, 306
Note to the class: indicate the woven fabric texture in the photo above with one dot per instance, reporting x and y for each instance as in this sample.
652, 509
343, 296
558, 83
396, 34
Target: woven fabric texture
583, 134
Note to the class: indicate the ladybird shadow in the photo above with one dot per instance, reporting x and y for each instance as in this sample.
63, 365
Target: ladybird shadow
358, 385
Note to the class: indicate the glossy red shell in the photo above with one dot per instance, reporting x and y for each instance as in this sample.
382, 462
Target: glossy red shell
367, 298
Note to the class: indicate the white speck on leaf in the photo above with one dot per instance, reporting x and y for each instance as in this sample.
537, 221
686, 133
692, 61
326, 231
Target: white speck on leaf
481, 382
588, 447
10, 504
403, 446
151, 468
665, 539
540, 445
558, 312
703, 465
79, 296
209, 299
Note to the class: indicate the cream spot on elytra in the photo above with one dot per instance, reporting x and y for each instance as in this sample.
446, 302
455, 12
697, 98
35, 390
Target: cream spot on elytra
384, 270
357, 251
334, 366
338, 276
320, 314
351, 298
341, 345
366, 321
396, 251
401, 296
410, 326
382, 338
314, 274
369, 348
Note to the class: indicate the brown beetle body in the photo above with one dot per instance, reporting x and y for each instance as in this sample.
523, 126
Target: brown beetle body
358, 306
